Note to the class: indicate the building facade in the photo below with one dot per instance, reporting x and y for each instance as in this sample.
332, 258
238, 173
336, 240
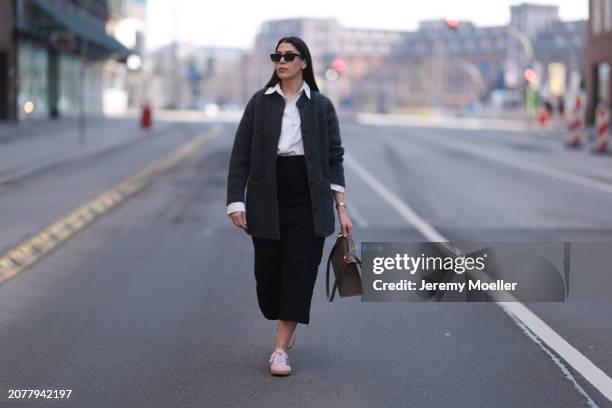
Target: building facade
125, 83
442, 65
44, 46
365, 82
533, 18
598, 55
188, 77
438, 64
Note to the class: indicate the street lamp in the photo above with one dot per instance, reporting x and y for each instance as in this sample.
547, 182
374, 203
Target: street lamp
440, 66
134, 62
336, 67
524, 40
529, 73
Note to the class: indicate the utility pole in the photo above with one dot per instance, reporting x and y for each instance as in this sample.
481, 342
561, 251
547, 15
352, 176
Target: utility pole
82, 93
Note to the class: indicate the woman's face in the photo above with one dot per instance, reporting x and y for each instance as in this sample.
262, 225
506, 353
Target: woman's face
285, 69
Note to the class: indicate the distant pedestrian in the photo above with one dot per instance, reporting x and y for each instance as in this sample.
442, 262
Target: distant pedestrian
561, 108
544, 113
548, 106
287, 152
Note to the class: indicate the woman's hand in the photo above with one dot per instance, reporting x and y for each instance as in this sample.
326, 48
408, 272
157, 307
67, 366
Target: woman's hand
346, 226
239, 219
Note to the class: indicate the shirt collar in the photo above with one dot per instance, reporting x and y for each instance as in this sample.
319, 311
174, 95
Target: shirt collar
277, 88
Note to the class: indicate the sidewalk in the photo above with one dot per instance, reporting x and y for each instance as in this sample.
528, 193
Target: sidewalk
10, 132
454, 122
30, 147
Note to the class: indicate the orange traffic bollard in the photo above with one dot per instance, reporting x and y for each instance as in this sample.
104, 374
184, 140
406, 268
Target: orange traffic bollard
146, 119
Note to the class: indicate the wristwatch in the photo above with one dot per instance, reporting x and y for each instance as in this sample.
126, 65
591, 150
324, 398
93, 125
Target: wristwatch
341, 204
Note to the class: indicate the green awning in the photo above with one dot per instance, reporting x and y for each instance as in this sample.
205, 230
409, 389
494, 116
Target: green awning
74, 22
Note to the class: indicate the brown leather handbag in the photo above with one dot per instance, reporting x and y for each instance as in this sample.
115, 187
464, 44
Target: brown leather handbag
347, 268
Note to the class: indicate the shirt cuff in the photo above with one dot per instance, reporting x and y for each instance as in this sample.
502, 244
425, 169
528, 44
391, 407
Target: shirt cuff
235, 206
337, 187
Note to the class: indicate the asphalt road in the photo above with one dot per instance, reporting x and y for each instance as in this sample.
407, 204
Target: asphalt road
153, 305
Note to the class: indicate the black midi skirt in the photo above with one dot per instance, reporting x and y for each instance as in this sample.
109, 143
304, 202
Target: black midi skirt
286, 269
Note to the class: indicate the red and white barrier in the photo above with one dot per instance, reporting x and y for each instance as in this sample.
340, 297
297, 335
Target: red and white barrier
576, 122
602, 126
543, 117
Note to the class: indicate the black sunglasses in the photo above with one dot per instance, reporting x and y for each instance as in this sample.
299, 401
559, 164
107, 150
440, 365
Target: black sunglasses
289, 56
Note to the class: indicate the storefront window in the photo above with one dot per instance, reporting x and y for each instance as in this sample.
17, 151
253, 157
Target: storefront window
33, 81
73, 80
70, 81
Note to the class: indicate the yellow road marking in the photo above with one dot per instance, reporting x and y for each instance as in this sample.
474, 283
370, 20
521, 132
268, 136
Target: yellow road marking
43, 242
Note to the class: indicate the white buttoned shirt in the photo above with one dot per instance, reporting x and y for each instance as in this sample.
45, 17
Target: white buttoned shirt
290, 142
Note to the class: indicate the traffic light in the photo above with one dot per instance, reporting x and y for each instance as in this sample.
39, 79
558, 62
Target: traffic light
530, 75
452, 23
335, 66
338, 65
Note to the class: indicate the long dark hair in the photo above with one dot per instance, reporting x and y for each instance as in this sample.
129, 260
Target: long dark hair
308, 73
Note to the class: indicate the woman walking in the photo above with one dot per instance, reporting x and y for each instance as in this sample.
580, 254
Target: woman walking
287, 152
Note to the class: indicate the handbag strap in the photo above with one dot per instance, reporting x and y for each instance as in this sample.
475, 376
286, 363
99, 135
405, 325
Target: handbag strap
329, 258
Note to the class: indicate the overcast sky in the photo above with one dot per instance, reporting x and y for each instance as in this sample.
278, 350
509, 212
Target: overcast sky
234, 24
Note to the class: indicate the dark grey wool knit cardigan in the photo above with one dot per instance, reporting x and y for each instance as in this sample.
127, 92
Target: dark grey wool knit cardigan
253, 161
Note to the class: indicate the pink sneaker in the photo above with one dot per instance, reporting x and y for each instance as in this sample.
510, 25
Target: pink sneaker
279, 363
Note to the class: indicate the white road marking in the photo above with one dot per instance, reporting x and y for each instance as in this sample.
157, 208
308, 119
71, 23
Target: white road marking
593, 374
538, 340
523, 164
409, 215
